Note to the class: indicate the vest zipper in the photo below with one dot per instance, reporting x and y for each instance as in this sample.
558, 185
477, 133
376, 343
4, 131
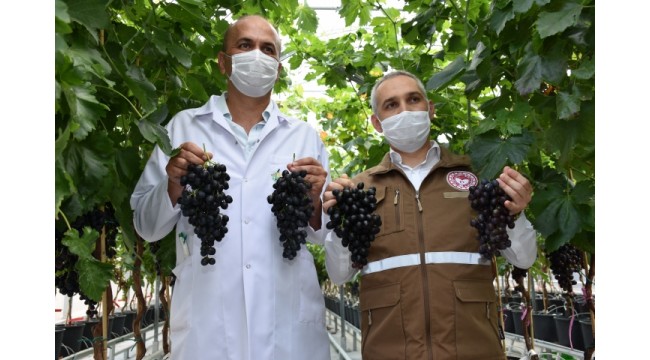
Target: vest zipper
417, 197
425, 281
397, 214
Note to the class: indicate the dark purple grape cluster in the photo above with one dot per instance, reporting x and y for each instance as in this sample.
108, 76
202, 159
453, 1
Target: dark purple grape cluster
200, 202
66, 280
292, 208
488, 199
564, 261
354, 221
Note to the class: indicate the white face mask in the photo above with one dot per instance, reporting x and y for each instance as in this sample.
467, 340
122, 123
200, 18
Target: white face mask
408, 130
253, 72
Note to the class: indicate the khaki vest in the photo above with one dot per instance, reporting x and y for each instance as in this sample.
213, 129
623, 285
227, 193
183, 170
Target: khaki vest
434, 311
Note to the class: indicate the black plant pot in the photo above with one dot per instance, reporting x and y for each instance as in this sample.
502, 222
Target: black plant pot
562, 324
544, 327
587, 333
72, 338
357, 317
518, 323
538, 304
89, 339
508, 321
129, 316
58, 339
149, 316
117, 328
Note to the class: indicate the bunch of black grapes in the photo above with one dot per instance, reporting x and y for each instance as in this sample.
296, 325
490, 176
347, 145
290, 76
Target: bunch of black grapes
566, 260
292, 208
200, 202
66, 276
354, 221
488, 199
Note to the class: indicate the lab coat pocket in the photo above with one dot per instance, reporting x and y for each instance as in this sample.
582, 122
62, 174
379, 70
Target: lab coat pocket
312, 303
477, 334
277, 164
381, 323
181, 302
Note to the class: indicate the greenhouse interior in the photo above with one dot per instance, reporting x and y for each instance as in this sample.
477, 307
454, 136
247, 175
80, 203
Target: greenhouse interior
324, 179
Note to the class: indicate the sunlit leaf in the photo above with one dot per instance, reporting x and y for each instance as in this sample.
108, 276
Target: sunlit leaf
307, 19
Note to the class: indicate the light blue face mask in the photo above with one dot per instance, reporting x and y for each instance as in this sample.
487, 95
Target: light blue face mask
253, 72
408, 130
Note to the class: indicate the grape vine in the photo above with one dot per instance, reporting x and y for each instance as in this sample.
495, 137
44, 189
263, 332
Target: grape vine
200, 202
488, 199
292, 208
354, 221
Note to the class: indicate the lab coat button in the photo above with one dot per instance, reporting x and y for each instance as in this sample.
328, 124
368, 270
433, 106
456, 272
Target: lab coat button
248, 266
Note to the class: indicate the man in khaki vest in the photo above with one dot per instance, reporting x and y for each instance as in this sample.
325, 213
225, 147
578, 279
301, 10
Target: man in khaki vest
426, 292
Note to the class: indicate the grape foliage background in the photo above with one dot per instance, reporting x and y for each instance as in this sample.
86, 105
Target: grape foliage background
513, 82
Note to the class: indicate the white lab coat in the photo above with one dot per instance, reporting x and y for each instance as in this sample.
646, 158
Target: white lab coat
252, 304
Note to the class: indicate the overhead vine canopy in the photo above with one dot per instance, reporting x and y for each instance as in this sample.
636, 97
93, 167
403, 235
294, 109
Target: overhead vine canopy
512, 80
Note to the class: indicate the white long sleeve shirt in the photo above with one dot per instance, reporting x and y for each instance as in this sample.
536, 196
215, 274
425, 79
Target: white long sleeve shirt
252, 304
522, 253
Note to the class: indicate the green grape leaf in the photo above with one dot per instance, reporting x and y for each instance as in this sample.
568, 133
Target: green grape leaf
568, 105
155, 134
490, 153
82, 246
530, 73
551, 23
307, 19
448, 75
94, 277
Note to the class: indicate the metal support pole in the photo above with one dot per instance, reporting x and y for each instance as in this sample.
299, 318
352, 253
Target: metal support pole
155, 313
342, 316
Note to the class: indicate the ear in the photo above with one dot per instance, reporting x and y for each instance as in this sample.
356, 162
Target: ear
279, 70
432, 110
221, 60
376, 123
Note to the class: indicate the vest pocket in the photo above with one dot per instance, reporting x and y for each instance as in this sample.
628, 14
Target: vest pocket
477, 334
382, 329
390, 208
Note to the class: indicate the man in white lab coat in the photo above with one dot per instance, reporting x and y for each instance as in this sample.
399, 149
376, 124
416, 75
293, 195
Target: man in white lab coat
252, 304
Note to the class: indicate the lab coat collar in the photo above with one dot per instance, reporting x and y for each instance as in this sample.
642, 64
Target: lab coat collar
211, 107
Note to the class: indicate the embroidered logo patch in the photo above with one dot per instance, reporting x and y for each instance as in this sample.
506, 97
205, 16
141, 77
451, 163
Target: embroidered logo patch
461, 180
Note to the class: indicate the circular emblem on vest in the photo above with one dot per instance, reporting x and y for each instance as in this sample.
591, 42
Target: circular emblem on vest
461, 180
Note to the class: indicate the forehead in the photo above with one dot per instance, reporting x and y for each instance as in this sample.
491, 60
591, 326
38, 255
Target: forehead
253, 28
396, 87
